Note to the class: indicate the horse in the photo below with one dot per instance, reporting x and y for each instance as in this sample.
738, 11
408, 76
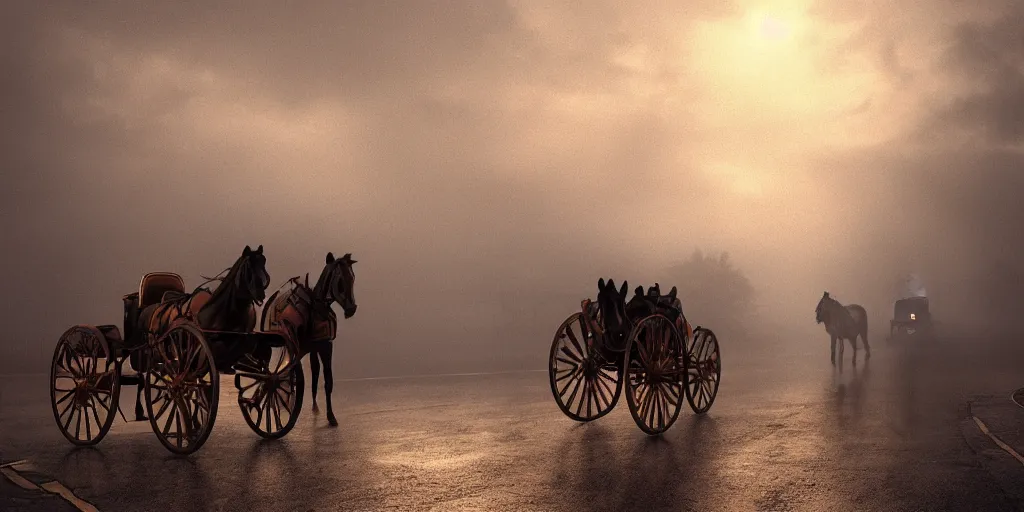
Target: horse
611, 303
306, 314
620, 316
229, 307
843, 322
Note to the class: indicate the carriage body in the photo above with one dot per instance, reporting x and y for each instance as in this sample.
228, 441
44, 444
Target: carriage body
662, 359
177, 370
911, 318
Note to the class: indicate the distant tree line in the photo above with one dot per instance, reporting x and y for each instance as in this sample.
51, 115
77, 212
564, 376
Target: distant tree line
714, 292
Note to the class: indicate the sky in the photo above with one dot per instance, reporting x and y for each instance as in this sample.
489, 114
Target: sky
486, 162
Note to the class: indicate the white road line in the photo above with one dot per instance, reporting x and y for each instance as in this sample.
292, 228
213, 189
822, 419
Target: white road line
15, 463
59, 489
999, 442
18, 480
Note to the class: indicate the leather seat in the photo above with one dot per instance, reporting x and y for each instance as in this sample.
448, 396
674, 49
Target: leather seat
155, 284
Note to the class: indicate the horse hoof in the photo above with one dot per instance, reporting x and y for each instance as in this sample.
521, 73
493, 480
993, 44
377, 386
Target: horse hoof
332, 422
316, 410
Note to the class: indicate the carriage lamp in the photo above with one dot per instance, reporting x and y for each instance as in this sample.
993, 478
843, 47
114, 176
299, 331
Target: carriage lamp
913, 316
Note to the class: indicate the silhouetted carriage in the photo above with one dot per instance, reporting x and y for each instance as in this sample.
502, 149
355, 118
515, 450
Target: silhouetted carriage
663, 357
178, 371
911, 318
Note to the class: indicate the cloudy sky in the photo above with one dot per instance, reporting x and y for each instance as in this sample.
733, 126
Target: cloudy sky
484, 160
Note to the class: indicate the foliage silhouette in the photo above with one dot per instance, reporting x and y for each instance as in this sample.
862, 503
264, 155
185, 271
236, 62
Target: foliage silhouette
714, 292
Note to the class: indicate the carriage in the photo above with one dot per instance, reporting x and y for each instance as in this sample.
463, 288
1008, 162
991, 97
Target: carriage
661, 359
177, 371
911, 318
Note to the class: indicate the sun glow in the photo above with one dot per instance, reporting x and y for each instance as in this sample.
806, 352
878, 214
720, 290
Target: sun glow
771, 28
773, 66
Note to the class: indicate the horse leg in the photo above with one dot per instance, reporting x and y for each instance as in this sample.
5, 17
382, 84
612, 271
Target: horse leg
853, 341
326, 351
314, 368
834, 350
867, 348
842, 350
139, 413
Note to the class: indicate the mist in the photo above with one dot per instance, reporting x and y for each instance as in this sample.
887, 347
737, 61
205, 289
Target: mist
486, 164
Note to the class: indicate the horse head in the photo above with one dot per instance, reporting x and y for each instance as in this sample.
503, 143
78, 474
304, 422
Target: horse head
250, 277
821, 312
337, 283
612, 302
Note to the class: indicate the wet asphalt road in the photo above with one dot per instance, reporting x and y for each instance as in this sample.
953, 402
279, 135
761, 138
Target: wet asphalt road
787, 432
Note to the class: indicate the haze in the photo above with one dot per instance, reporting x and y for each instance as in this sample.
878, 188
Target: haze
486, 162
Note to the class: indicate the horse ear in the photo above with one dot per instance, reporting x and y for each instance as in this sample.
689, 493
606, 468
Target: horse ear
347, 257
260, 249
330, 258
600, 284
624, 289
826, 295
672, 293
639, 290
247, 251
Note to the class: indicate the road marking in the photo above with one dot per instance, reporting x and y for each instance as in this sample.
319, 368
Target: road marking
18, 480
59, 489
999, 442
53, 487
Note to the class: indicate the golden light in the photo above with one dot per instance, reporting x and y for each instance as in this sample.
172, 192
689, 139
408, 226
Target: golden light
770, 67
770, 27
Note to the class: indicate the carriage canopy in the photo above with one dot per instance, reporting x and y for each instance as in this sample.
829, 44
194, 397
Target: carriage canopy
911, 308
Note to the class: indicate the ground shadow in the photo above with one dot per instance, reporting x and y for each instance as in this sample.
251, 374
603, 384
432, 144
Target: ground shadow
601, 469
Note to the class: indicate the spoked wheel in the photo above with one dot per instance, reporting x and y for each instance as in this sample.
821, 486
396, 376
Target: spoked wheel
585, 385
182, 389
84, 385
704, 371
270, 386
655, 369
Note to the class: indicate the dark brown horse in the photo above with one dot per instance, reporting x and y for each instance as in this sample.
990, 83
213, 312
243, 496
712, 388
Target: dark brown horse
843, 322
306, 314
229, 307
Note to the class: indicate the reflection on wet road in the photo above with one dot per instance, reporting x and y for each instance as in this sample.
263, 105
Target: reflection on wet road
786, 433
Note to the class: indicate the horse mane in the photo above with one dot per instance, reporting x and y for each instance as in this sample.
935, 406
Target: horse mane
321, 281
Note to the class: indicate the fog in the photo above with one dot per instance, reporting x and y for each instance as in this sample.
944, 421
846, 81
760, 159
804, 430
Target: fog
486, 162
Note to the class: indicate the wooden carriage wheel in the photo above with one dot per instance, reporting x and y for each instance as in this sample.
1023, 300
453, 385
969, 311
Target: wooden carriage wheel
655, 369
182, 388
704, 370
585, 385
84, 385
270, 385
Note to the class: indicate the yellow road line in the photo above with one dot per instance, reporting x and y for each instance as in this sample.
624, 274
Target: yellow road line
57, 488
18, 480
999, 442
